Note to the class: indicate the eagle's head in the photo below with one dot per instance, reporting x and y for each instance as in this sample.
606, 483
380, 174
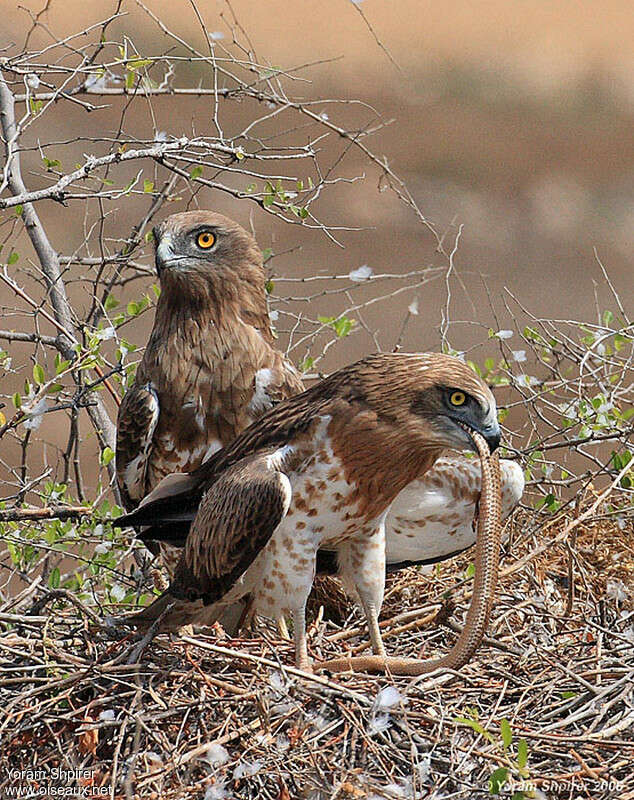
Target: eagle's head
205, 245
432, 399
451, 400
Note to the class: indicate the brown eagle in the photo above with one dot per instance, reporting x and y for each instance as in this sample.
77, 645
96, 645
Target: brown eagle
210, 367
321, 469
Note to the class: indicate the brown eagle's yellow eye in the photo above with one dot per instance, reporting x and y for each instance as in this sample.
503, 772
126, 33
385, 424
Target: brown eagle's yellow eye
206, 240
458, 398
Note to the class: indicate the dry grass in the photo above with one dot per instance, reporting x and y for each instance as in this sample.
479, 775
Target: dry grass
212, 717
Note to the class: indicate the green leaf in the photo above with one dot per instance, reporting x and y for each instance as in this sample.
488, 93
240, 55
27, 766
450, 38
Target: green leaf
196, 172
38, 374
107, 454
567, 695
498, 779
148, 186
60, 364
51, 163
507, 735
13, 258
54, 578
475, 726
306, 364
344, 326
139, 63
522, 753
470, 570
269, 72
129, 80
17, 400
269, 286
111, 302
532, 335
341, 325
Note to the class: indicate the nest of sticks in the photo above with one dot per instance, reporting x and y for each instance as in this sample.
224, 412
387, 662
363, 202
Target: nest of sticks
546, 709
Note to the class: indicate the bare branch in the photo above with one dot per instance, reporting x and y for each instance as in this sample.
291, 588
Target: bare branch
52, 512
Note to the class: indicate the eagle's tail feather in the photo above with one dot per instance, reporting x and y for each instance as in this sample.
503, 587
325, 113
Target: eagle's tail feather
232, 616
167, 613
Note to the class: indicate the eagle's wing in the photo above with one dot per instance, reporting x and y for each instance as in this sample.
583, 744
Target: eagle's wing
433, 517
236, 518
136, 423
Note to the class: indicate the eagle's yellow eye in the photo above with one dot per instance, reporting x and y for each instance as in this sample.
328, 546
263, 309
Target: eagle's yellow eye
206, 240
458, 398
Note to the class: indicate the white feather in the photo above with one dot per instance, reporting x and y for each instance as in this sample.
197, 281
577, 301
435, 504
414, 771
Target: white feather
433, 516
261, 400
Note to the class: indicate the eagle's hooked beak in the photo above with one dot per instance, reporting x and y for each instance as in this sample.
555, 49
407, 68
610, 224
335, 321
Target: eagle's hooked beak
492, 436
163, 249
490, 431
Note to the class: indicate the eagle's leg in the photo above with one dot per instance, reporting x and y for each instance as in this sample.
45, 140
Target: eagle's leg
372, 618
362, 569
298, 615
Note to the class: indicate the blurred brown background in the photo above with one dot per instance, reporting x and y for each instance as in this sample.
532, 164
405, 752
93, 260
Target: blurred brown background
511, 118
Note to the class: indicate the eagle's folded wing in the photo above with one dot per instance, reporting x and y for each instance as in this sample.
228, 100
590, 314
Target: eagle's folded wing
136, 423
236, 518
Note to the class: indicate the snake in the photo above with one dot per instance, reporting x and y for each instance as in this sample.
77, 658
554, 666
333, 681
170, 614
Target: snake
487, 555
